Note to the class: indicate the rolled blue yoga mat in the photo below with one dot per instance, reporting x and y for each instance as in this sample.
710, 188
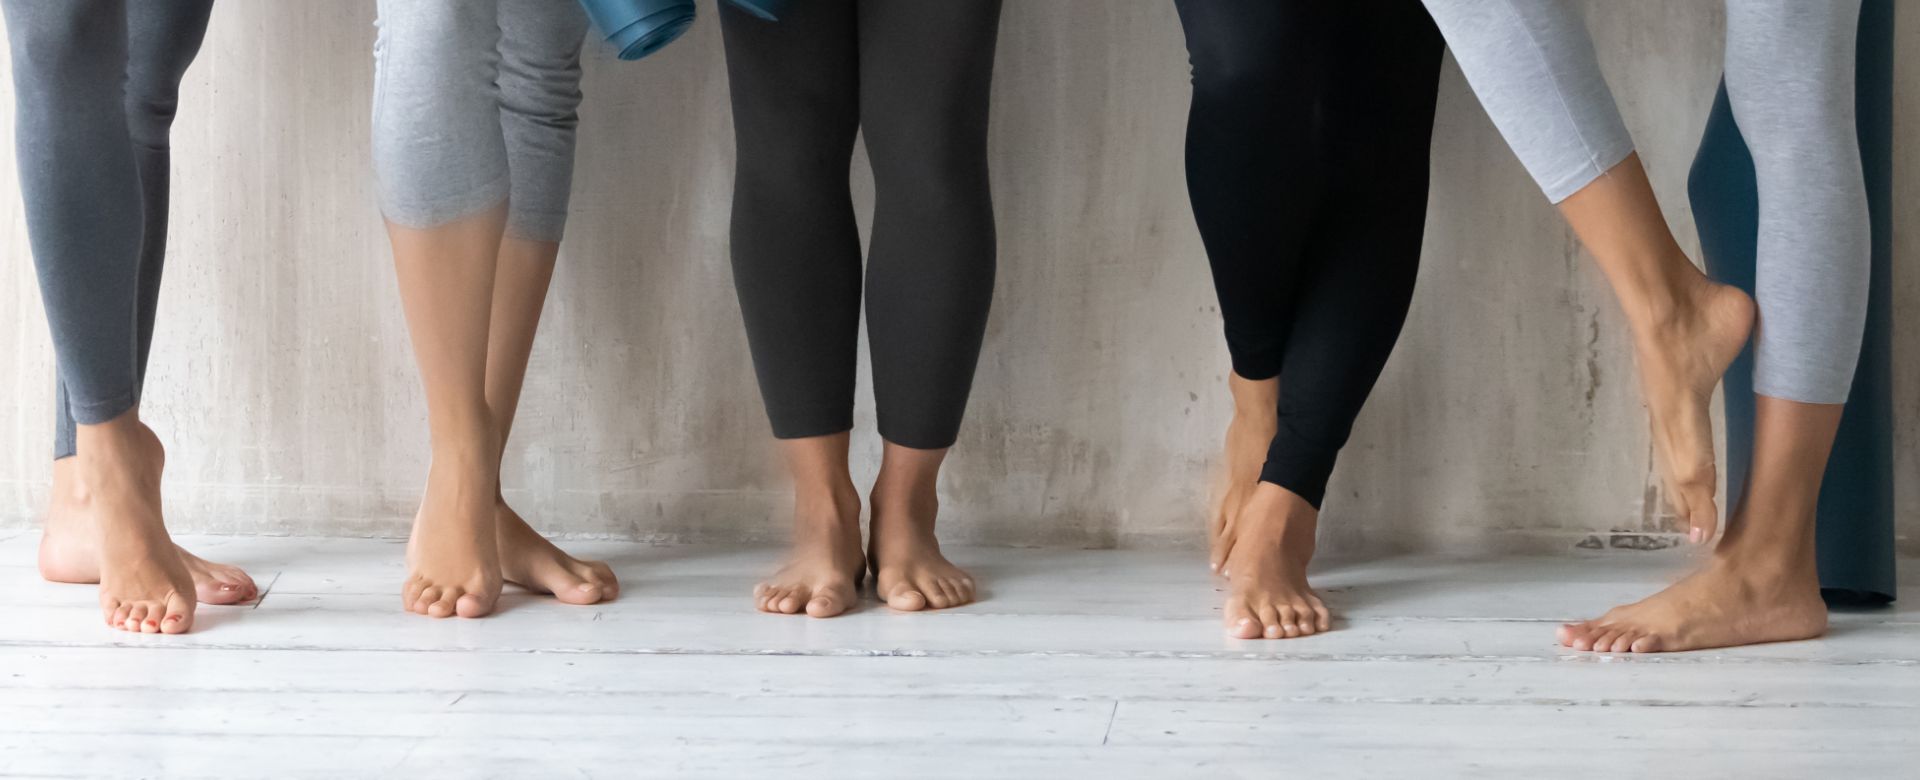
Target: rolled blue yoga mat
638, 28
1855, 528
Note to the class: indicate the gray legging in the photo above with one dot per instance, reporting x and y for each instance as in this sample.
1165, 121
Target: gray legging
95, 86
474, 104
1789, 76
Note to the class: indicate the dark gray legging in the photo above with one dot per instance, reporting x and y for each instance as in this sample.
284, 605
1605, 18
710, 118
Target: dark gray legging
95, 86
915, 77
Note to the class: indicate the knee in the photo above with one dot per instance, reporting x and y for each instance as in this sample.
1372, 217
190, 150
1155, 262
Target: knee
541, 86
150, 114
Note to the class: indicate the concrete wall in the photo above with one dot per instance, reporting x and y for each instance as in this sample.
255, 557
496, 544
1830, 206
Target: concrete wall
284, 384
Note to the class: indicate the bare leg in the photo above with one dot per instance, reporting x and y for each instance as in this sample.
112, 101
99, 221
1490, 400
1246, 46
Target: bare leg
144, 584
1255, 420
527, 559
446, 286
909, 571
70, 546
1762, 584
823, 571
1686, 329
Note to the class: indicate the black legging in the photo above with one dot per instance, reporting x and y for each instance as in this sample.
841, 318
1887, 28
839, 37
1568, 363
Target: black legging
1307, 166
915, 77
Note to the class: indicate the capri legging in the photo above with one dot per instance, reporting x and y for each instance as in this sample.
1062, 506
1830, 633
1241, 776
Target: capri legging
915, 77
95, 87
1789, 81
474, 105
1307, 159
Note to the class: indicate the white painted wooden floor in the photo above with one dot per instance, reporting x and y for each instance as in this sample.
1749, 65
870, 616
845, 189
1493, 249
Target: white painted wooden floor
1078, 664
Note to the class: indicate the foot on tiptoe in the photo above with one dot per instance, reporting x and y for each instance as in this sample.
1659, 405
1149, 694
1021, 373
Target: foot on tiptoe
531, 561
1681, 356
1268, 595
822, 572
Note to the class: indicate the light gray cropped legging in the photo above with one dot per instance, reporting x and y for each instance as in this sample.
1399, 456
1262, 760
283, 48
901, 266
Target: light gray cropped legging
474, 105
1789, 77
95, 85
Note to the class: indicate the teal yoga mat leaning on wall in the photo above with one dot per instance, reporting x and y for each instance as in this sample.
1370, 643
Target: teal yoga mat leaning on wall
638, 28
1855, 529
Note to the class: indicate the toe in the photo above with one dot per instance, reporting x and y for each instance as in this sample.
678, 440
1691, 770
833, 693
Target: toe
1322, 617
1646, 643
579, 593
1604, 643
473, 605
571, 586
937, 596
1580, 636
792, 600
1241, 621
1304, 619
958, 591
443, 602
1289, 621
602, 575
136, 619
424, 601
118, 616
179, 617
907, 598
1270, 622
825, 604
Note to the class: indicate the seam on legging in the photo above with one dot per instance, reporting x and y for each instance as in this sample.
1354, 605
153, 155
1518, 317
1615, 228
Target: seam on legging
1560, 95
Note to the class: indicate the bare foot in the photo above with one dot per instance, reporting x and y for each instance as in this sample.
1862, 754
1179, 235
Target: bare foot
1681, 359
453, 556
70, 550
909, 573
1727, 603
531, 561
144, 584
1268, 592
823, 570
1256, 418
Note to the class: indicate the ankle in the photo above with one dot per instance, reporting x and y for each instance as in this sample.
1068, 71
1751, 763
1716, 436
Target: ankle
829, 507
1768, 568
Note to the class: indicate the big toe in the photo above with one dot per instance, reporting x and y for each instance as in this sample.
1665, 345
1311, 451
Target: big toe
570, 587
472, 605
826, 603
907, 598
1242, 622
232, 587
179, 615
